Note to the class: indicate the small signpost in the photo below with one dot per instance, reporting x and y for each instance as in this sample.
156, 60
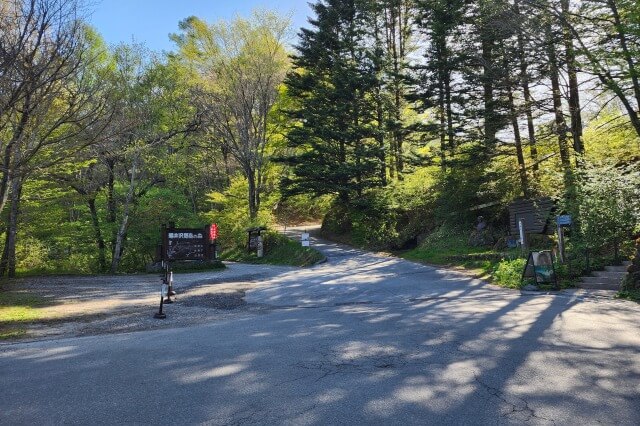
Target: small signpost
540, 267
523, 235
255, 240
305, 239
563, 221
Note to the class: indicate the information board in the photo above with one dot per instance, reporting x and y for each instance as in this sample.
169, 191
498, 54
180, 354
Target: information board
254, 239
305, 239
186, 244
539, 266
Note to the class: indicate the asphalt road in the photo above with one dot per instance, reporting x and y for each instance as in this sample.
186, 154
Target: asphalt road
361, 339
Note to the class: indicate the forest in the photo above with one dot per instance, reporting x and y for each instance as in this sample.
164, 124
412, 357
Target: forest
394, 122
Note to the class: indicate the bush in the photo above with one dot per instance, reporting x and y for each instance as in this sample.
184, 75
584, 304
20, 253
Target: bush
31, 254
607, 204
508, 273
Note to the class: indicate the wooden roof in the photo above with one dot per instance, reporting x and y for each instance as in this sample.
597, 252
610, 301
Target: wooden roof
536, 214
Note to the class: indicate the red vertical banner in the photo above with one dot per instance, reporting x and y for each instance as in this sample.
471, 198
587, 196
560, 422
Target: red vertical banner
213, 232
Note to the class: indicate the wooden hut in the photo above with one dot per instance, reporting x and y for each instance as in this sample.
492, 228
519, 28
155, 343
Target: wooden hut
536, 214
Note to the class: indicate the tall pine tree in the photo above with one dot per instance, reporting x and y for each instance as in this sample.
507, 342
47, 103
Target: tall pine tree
333, 141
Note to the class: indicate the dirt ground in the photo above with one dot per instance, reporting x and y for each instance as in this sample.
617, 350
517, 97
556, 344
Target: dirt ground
79, 306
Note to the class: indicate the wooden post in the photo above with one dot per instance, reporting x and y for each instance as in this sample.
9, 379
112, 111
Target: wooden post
523, 237
561, 243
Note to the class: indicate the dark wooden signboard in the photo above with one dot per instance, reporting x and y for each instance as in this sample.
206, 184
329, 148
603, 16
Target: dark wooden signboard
187, 244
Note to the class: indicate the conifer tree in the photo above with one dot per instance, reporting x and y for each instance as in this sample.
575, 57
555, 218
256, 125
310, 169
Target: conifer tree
333, 144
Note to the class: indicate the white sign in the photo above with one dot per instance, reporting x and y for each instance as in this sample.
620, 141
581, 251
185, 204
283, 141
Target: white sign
305, 239
164, 291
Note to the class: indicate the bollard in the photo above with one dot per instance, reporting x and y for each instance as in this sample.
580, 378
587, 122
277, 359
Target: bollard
170, 291
160, 314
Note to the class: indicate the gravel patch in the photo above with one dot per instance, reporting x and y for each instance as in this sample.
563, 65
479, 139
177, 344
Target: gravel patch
93, 305
225, 301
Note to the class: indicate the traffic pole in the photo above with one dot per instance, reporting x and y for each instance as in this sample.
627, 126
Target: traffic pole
170, 291
160, 314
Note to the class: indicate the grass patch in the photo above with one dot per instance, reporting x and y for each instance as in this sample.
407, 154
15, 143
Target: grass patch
444, 250
447, 247
12, 333
278, 250
633, 295
16, 310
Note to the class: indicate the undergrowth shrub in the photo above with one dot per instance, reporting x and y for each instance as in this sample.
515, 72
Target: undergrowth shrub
508, 273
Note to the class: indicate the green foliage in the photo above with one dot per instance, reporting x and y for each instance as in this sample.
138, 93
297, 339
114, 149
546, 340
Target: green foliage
230, 210
278, 250
629, 295
302, 208
31, 254
508, 273
368, 223
384, 218
608, 205
449, 245
374, 225
160, 206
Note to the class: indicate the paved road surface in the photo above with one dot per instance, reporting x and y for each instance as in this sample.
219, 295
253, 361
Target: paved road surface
361, 339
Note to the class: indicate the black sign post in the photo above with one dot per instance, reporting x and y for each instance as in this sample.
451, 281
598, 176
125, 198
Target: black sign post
160, 314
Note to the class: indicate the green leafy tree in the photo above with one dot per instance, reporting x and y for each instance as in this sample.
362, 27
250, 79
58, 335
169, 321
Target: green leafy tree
608, 204
239, 68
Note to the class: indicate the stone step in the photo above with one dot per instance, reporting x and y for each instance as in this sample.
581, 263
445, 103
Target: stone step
609, 279
610, 274
620, 269
602, 285
596, 279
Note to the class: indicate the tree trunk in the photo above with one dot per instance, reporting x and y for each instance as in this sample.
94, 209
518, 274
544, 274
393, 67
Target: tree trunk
443, 125
380, 136
626, 53
490, 128
526, 90
8, 261
449, 106
522, 169
560, 124
399, 54
574, 92
118, 247
253, 210
8, 152
95, 221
